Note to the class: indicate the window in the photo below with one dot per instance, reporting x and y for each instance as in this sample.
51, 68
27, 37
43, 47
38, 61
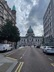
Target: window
24, 40
0, 14
32, 39
6, 6
5, 12
5, 17
50, 23
0, 22
1, 9
9, 18
36, 39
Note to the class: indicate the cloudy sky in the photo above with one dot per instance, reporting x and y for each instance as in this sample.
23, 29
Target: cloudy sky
29, 13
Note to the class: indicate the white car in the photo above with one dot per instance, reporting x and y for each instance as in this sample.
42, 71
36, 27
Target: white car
5, 47
48, 50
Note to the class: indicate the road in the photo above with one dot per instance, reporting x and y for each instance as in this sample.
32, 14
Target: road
31, 59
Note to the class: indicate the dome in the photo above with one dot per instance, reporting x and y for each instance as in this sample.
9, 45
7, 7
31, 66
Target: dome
30, 30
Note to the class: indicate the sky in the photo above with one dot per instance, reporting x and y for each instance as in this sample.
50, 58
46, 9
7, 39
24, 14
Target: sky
29, 13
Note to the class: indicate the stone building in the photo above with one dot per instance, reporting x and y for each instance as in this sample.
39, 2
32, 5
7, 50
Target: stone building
30, 39
48, 22
6, 13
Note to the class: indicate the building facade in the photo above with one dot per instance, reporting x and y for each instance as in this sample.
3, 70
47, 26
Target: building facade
6, 13
30, 39
48, 21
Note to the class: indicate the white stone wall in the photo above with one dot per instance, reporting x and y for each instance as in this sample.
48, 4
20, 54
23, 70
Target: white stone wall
30, 41
48, 20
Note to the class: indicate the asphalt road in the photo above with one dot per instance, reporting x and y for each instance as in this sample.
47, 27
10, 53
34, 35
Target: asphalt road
31, 59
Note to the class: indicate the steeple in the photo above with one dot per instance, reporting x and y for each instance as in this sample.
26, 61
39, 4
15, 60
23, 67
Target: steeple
14, 12
14, 8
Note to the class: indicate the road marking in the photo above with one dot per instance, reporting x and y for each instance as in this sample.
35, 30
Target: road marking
12, 52
23, 54
20, 57
19, 67
9, 54
11, 58
50, 59
52, 64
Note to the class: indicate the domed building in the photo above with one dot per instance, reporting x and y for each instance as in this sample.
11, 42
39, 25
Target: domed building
30, 39
30, 32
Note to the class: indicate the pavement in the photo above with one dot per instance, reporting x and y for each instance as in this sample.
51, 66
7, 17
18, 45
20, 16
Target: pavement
7, 64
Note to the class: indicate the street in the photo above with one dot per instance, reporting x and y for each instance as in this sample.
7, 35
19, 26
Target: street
31, 59
26, 36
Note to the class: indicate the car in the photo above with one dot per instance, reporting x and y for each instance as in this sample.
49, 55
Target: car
48, 50
38, 46
5, 47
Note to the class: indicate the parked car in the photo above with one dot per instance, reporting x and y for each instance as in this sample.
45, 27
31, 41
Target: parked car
48, 50
38, 46
5, 47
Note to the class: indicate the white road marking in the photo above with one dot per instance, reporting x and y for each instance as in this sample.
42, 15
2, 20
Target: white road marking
52, 64
50, 59
11, 58
20, 57
23, 55
10, 53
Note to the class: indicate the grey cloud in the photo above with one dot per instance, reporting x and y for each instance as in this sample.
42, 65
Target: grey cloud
33, 17
10, 3
31, 23
32, 12
37, 12
28, 1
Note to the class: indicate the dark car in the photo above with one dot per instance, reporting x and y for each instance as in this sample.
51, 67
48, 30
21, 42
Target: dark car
38, 47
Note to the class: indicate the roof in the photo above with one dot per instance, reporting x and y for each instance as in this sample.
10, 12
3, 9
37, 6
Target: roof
14, 8
30, 30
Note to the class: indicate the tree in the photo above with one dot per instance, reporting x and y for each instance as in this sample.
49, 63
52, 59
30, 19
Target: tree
1, 37
10, 32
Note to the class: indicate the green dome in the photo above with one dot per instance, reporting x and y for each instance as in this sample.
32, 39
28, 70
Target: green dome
30, 30
14, 8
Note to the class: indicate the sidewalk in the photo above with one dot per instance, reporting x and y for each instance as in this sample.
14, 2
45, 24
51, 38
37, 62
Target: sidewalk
7, 64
